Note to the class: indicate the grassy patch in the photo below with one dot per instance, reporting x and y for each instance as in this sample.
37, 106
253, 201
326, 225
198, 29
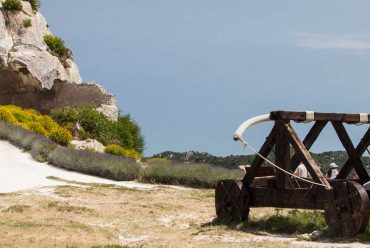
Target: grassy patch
65, 207
16, 209
294, 222
93, 163
193, 175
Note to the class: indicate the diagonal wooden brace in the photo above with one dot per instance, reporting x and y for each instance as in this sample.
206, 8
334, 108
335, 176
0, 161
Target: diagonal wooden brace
308, 141
360, 149
306, 158
257, 162
352, 153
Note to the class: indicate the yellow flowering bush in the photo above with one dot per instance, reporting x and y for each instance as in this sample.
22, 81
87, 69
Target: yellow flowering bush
32, 120
119, 150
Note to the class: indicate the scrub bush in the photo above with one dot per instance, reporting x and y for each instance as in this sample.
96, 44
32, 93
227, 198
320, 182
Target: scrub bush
12, 5
56, 44
39, 146
93, 163
123, 132
119, 150
193, 175
35, 4
27, 23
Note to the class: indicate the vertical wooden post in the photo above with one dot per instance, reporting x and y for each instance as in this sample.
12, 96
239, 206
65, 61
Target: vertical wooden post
282, 153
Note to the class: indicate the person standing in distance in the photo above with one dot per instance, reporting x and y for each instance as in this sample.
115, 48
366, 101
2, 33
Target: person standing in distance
333, 171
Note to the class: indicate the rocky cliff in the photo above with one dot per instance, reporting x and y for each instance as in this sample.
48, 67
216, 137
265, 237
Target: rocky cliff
32, 76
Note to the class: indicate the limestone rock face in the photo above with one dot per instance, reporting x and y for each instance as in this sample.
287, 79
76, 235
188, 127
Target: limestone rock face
32, 76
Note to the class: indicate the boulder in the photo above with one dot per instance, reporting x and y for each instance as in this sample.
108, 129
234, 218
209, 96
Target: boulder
89, 144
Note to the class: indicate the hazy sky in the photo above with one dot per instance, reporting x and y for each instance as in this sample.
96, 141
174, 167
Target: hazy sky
190, 72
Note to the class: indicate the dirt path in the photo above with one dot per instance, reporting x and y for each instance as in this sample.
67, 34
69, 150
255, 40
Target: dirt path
70, 216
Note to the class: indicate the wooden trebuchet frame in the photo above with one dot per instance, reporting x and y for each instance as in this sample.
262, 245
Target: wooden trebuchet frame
344, 200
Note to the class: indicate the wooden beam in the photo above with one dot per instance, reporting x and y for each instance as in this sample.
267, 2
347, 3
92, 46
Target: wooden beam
352, 153
360, 149
282, 156
301, 116
306, 158
257, 162
305, 198
308, 141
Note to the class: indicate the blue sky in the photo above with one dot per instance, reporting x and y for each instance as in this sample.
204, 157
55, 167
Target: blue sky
190, 72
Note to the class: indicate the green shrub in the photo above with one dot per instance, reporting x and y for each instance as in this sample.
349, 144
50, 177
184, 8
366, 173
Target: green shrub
119, 150
128, 133
32, 120
35, 4
193, 175
12, 5
93, 163
27, 23
124, 132
55, 44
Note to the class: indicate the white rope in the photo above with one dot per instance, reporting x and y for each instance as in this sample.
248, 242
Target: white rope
246, 145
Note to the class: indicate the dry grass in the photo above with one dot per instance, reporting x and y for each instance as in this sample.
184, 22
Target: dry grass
107, 216
110, 217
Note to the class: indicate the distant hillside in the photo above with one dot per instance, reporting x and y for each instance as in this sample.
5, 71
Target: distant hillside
322, 159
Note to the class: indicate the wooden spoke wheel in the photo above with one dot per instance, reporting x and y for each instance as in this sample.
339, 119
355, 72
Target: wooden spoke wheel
231, 200
347, 209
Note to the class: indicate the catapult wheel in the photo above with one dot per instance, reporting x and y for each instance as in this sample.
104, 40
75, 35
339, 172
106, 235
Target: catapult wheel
347, 210
231, 200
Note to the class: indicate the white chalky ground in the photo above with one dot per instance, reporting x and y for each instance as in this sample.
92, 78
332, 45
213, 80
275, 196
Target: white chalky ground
19, 171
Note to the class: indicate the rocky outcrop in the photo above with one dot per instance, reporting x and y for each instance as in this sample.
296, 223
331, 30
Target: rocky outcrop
32, 76
89, 144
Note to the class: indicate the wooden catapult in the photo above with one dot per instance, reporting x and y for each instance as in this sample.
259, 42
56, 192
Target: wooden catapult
344, 200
